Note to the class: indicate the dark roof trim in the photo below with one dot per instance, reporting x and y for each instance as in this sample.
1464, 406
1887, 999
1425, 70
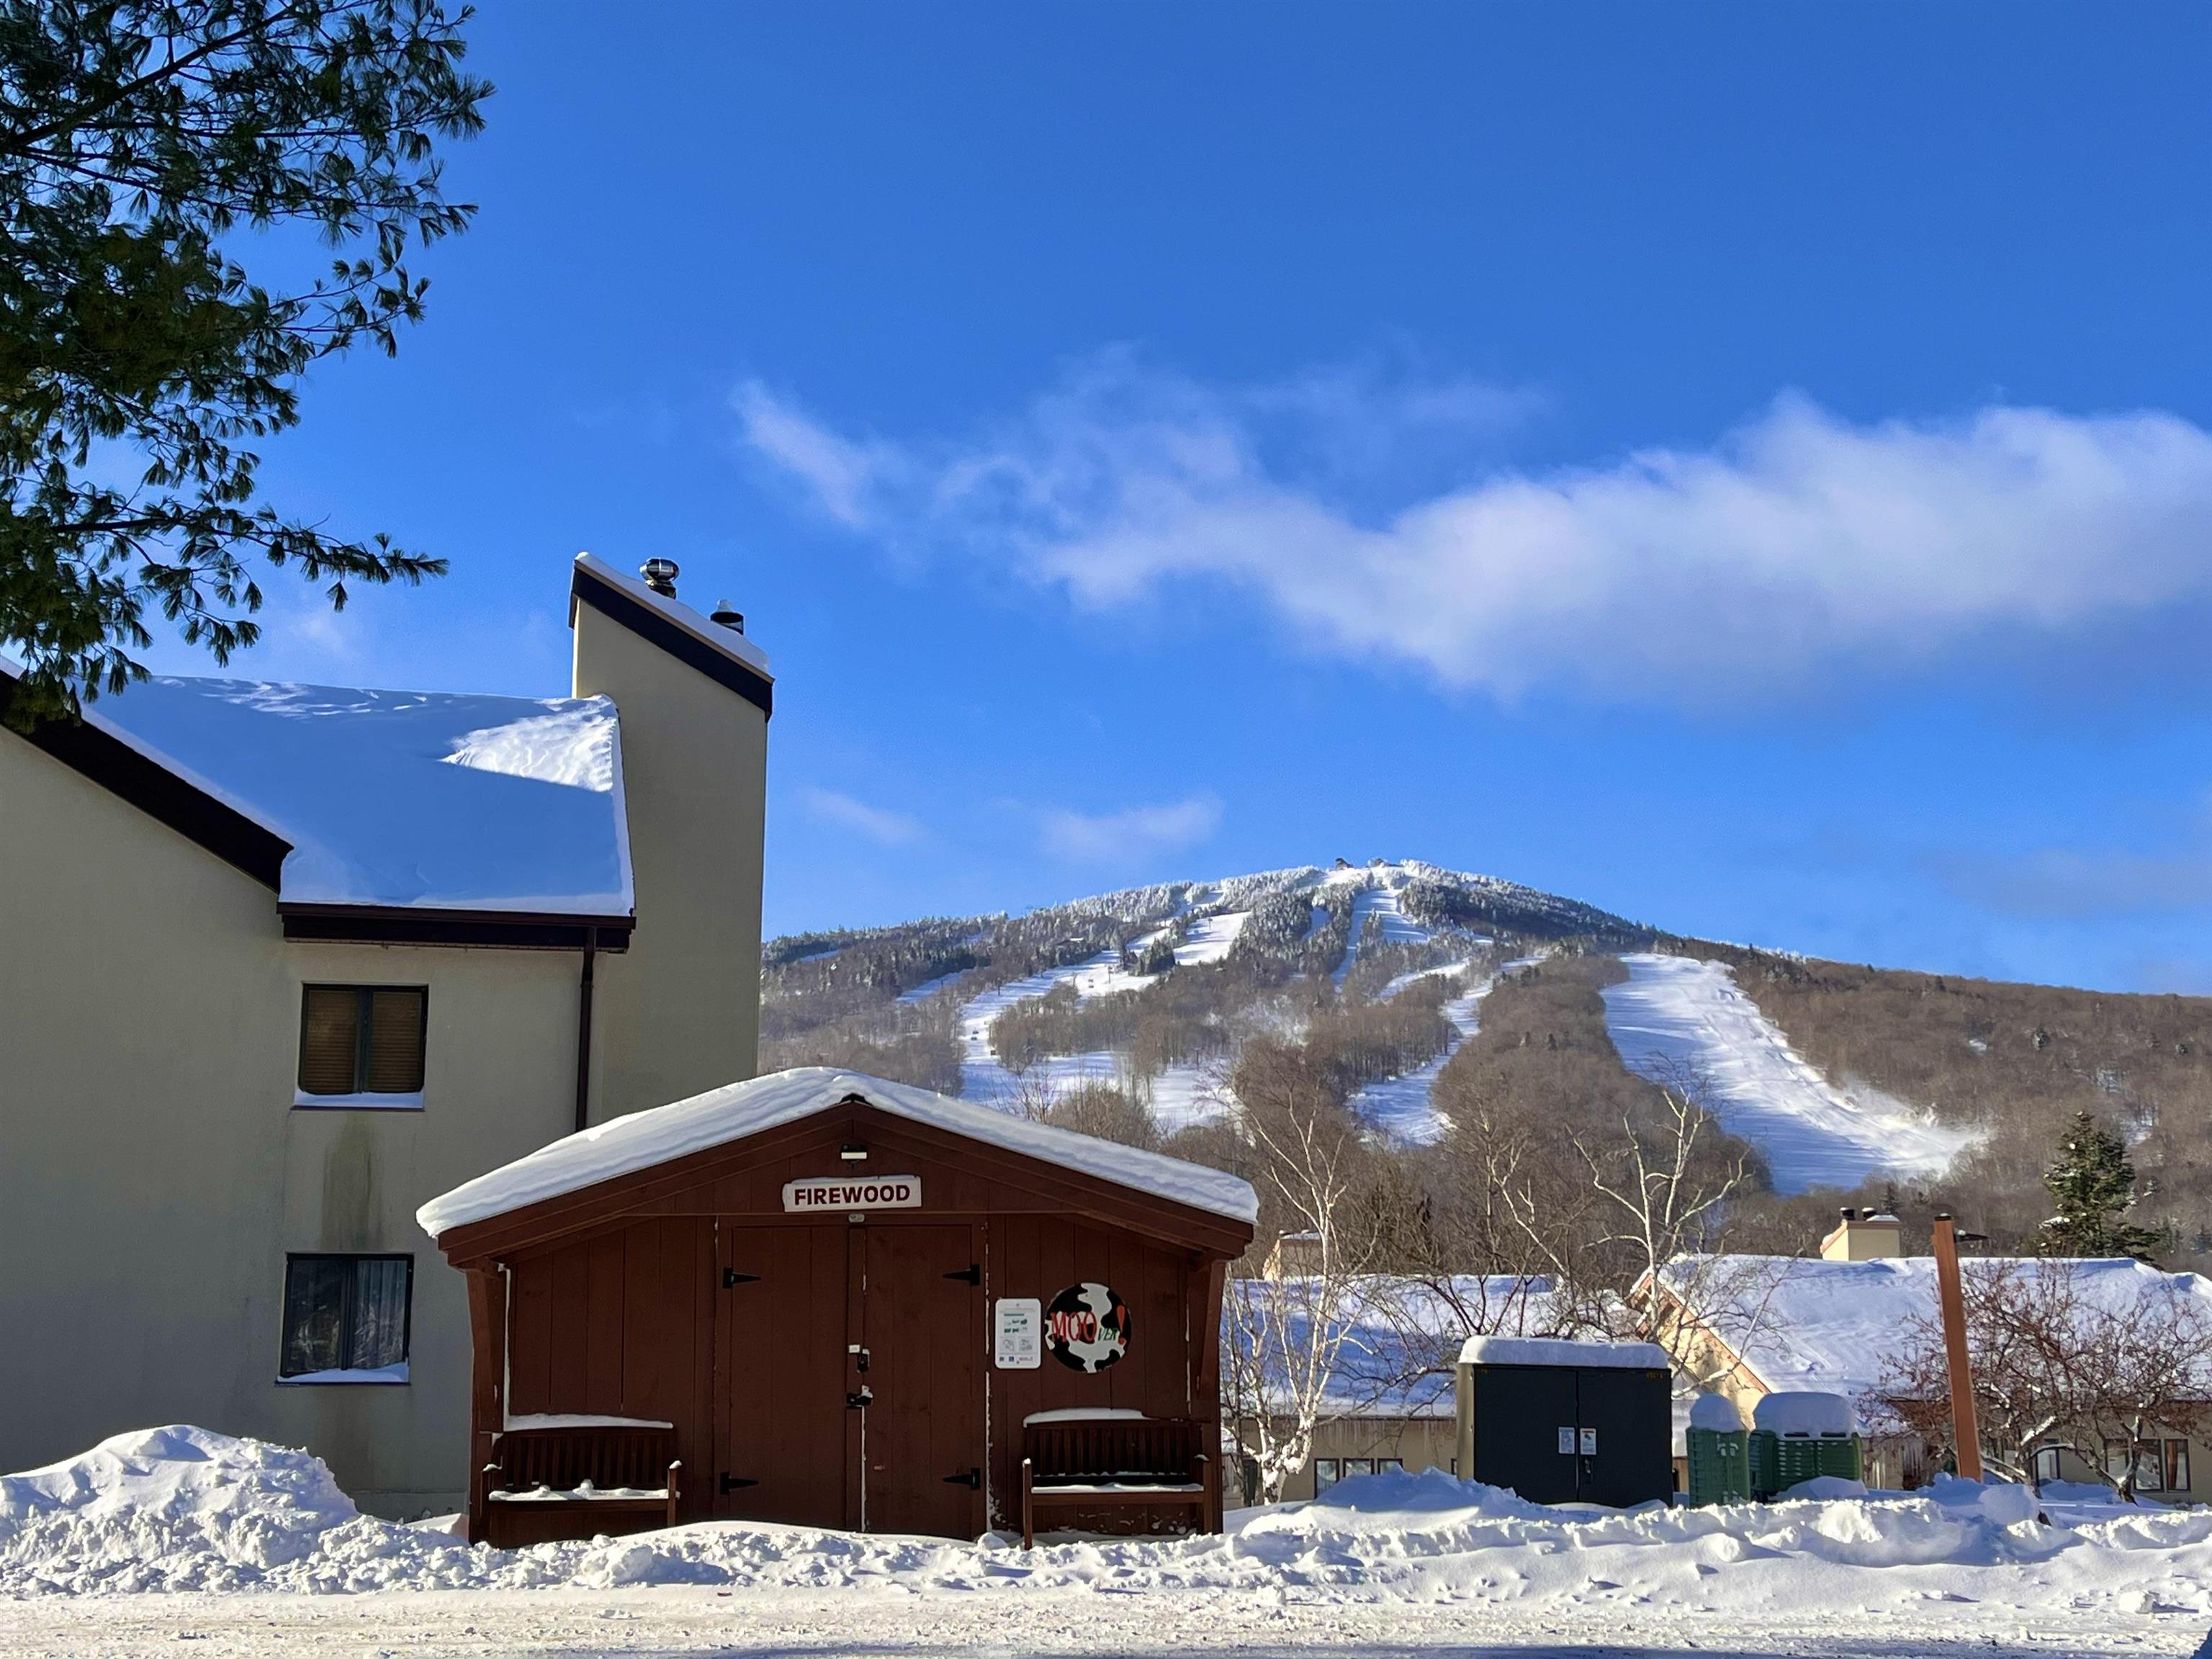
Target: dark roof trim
680, 643
154, 790
364, 924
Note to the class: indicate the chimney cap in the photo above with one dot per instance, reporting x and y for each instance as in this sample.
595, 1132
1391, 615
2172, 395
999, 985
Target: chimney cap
728, 618
660, 576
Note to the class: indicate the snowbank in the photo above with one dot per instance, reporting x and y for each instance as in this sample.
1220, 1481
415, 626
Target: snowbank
182, 1509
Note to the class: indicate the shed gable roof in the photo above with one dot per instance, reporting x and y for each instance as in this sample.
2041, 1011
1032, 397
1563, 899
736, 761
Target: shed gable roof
738, 1111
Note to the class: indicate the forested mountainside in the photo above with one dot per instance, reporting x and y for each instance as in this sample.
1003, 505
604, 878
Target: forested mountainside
1493, 1047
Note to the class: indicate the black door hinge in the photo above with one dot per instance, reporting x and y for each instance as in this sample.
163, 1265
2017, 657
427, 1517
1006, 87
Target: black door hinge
861, 1397
974, 1275
732, 1278
731, 1482
973, 1480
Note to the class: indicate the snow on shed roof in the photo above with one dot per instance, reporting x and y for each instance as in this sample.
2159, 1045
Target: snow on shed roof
642, 1139
1829, 1327
1563, 1351
415, 799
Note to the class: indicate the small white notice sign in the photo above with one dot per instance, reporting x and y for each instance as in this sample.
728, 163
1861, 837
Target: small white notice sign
1589, 1443
853, 1193
1567, 1441
1017, 1342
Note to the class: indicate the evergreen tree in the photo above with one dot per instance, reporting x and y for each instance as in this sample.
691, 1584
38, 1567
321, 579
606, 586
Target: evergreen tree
2093, 1184
143, 144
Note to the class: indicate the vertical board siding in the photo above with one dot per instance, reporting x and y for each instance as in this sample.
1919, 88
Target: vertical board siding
631, 1317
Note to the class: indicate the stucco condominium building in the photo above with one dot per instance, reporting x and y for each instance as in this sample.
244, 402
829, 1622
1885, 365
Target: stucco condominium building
286, 960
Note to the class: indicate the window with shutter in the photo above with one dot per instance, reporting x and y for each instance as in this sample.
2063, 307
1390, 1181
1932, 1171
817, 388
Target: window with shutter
346, 1318
362, 1044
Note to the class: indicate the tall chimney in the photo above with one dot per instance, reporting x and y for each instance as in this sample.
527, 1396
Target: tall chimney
660, 576
1863, 1236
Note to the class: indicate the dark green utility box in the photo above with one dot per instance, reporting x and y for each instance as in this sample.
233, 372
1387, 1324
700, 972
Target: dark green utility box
1720, 1452
1567, 1422
1796, 1438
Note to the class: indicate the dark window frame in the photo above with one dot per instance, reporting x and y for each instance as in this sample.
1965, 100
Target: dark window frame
364, 996
406, 1317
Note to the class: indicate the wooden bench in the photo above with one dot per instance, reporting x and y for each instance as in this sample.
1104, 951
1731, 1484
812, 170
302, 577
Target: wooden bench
1099, 1462
578, 1479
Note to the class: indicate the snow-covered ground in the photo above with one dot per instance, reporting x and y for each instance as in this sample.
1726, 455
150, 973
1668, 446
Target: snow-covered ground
1674, 1013
177, 1533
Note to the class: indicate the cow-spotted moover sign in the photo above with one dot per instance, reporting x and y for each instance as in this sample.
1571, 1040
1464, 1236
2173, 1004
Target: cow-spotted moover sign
1087, 1327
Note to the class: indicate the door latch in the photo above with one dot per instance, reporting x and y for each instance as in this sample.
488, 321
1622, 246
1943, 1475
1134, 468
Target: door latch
861, 1397
973, 1480
732, 1278
731, 1482
972, 1274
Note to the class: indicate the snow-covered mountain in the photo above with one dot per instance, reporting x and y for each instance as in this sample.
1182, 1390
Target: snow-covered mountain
1836, 1075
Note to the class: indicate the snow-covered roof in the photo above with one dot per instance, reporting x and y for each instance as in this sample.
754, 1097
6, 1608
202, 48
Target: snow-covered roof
1563, 1351
1830, 1325
1401, 1335
642, 1139
727, 640
412, 799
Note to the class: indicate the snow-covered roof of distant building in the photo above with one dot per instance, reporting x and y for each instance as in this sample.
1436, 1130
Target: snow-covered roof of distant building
403, 799
1830, 1325
642, 1139
1402, 1335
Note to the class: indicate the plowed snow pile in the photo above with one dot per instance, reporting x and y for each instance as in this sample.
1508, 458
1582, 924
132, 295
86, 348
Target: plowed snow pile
182, 1509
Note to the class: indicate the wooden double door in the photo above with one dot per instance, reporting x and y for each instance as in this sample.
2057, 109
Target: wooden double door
848, 1376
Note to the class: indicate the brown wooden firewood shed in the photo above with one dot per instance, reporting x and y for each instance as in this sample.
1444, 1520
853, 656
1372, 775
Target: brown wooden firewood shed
842, 1302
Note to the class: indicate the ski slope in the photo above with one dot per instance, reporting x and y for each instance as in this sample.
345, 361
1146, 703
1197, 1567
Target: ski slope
1377, 898
1402, 1107
1675, 1016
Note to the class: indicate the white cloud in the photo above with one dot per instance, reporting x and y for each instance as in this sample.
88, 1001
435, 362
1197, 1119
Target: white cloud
840, 474
1132, 833
883, 827
1796, 544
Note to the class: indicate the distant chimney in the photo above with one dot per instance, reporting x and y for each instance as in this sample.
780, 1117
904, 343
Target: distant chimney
1863, 1236
660, 576
734, 620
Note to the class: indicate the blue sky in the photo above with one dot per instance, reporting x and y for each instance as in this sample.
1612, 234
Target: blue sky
1744, 467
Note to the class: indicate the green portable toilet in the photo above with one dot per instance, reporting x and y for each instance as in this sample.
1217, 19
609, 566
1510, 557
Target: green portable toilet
1796, 1438
1720, 1452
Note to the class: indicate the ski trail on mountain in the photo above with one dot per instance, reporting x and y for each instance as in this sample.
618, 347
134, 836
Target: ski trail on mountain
1675, 1015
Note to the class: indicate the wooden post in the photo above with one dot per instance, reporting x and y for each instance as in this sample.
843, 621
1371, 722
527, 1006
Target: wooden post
488, 1370
1966, 1430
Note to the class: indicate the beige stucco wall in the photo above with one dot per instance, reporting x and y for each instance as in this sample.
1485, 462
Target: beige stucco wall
154, 1172
681, 1014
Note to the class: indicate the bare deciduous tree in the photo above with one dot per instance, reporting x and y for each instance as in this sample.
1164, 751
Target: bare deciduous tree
1284, 1333
2056, 1367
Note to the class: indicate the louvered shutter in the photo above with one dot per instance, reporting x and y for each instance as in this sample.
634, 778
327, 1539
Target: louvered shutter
395, 1042
330, 1034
